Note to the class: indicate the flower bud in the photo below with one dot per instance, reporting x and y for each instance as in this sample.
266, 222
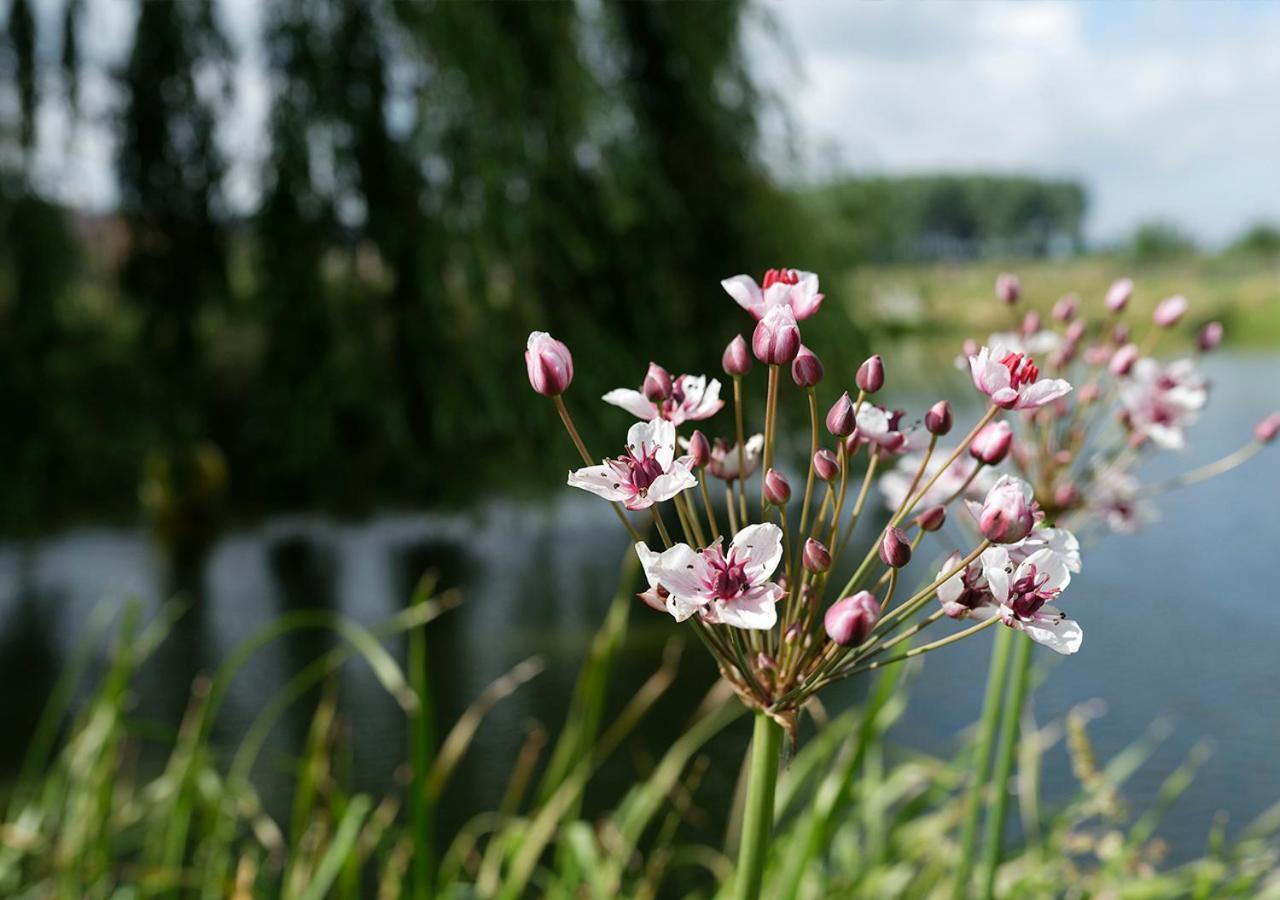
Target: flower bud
776, 489
806, 368
870, 377
699, 449
1075, 331
1120, 334
1030, 322
657, 384
932, 518
1065, 309
1118, 294
765, 662
895, 548
1008, 288
840, 419
1210, 336
1089, 393
1169, 311
1123, 359
938, 419
817, 558
1008, 513
825, 464
849, 621
1265, 431
793, 631
776, 340
1066, 496
991, 444
736, 359
550, 364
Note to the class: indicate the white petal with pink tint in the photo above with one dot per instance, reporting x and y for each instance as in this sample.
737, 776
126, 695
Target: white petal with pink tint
633, 402
744, 290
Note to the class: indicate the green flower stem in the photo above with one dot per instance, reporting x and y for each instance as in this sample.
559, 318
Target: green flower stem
1015, 697
762, 779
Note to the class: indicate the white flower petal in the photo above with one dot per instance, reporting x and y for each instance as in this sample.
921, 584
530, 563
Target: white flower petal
760, 546
744, 290
680, 478
682, 570
633, 402
599, 480
1059, 634
756, 609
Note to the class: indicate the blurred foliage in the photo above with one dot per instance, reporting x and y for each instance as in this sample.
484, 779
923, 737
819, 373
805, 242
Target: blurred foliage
1262, 239
1157, 241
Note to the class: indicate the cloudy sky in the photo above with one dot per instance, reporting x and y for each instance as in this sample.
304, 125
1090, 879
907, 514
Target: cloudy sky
1164, 110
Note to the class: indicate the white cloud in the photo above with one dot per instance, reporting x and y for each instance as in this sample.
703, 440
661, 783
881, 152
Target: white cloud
1162, 110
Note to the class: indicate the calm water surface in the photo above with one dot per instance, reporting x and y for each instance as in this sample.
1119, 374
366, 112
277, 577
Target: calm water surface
1182, 622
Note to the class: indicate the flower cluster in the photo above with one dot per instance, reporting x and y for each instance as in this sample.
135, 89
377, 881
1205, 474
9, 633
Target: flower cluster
755, 574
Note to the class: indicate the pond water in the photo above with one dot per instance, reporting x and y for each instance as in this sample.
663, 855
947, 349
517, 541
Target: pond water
1180, 621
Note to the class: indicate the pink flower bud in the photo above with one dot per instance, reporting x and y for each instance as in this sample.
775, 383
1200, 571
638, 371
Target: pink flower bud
1008, 288
736, 360
776, 489
1120, 334
849, 621
969, 348
1008, 513
932, 518
1265, 431
1118, 294
1089, 393
825, 464
793, 631
895, 548
938, 419
1031, 322
776, 340
1210, 336
699, 449
765, 662
870, 377
840, 419
991, 444
1123, 359
806, 368
817, 558
1169, 311
1075, 331
1065, 309
657, 383
1066, 496
550, 364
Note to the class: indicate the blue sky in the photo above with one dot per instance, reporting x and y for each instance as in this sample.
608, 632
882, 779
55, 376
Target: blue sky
1164, 110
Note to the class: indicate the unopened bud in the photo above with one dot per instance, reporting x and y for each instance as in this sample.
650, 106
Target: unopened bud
1120, 334
870, 377
765, 662
776, 340
840, 418
657, 383
1065, 309
1169, 311
849, 621
699, 449
1008, 513
1066, 496
1030, 322
1210, 336
806, 368
792, 632
1265, 431
1118, 294
938, 419
1008, 288
776, 489
1089, 393
736, 359
825, 464
932, 518
1123, 359
550, 364
1075, 331
817, 558
991, 444
895, 548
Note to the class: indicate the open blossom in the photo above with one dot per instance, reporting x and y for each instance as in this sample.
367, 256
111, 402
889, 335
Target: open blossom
1012, 380
724, 458
1009, 511
691, 399
879, 428
895, 483
1116, 498
782, 287
730, 588
1022, 588
1160, 401
965, 591
646, 474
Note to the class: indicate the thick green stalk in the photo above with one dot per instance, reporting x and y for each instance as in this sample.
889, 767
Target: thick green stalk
1015, 696
996, 670
757, 824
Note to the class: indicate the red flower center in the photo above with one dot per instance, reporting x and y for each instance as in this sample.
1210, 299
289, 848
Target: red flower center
785, 276
1022, 369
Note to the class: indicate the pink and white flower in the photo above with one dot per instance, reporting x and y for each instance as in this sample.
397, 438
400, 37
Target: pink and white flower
782, 287
1012, 380
692, 399
1009, 511
723, 588
1160, 401
1022, 589
895, 483
646, 474
880, 428
724, 458
1116, 498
